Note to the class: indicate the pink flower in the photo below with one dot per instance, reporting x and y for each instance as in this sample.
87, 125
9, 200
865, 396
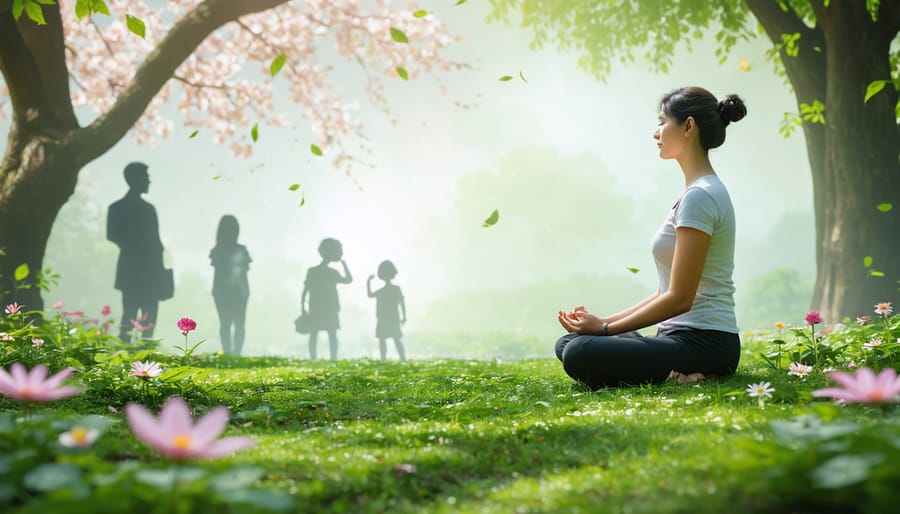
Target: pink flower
5, 337
862, 320
405, 469
881, 308
105, 310
37, 342
186, 325
34, 386
874, 342
58, 305
14, 308
175, 435
145, 369
864, 387
813, 317
799, 370
78, 437
74, 316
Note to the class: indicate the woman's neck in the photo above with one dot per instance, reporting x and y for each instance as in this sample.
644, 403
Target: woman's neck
695, 165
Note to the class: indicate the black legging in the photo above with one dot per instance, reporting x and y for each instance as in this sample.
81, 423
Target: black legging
631, 359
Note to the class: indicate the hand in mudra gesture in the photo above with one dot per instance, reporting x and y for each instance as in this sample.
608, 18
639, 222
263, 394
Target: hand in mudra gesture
580, 321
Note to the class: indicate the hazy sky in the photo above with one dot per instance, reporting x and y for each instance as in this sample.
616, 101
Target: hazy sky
403, 206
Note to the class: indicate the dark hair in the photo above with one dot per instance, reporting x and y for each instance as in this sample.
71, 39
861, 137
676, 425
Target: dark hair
711, 115
134, 171
227, 235
331, 249
387, 270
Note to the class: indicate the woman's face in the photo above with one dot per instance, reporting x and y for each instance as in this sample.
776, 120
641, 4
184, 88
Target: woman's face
670, 136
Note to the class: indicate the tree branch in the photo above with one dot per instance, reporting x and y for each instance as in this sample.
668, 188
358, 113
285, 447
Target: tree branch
160, 65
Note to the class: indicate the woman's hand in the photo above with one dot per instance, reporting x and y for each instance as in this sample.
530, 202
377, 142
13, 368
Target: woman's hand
580, 321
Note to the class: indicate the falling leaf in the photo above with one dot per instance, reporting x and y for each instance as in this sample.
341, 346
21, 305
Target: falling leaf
522, 76
874, 273
21, 272
506, 78
135, 25
302, 201
884, 207
633, 270
294, 187
217, 177
398, 36
867, 261
277, 64
421, 13
492, 219
744, 65
873, 88
460, 2
193, 134
315, 150
254, 132
402, 72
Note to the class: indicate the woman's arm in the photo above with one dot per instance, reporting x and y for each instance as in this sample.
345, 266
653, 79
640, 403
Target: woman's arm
627, 312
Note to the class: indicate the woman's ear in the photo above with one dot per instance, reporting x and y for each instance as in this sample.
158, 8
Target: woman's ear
689, 125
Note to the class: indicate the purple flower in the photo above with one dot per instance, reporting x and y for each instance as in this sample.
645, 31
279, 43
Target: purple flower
813, 318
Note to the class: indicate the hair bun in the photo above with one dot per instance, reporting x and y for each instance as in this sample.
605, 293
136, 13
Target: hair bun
731, 108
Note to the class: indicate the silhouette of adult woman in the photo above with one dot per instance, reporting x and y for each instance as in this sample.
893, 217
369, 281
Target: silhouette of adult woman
231, 261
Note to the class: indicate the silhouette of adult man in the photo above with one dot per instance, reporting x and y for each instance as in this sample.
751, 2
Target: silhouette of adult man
131, 223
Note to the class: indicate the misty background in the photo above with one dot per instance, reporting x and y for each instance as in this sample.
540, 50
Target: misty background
568, 161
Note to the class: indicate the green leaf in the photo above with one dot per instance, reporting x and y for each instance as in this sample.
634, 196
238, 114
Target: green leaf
315, 150
48, 477
506, 78
34, 12
492, 219
302, 201
884, 207
633, 270
867, 261
21, 272
398, 35
193, 134
217, 177
82, 9
99, 6
236, 478
17, 7
845, 470
459, 2
254, 132
873, 273
277, 64
136, 25
294, 187
402, 72
522, 76
421, 13
873, 88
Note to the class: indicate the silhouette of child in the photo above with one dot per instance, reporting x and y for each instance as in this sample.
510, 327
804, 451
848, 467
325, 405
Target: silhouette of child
390, 310
230, 262
320, 287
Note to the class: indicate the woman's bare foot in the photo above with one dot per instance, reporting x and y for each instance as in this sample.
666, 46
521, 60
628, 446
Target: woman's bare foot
681, 378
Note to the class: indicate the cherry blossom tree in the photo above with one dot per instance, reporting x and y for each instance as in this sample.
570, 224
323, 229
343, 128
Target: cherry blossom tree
127, 59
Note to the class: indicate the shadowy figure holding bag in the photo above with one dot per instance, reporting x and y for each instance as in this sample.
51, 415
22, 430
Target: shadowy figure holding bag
320, 289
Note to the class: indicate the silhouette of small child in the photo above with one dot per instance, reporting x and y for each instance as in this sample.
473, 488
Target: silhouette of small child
390, 309
320, 287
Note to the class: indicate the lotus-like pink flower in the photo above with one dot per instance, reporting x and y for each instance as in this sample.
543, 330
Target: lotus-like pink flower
13, 308
862, 320
78, 437
34, 386
175, 435
57, 305
875, 342
883, 309
37, 342
864, 387
800, 370
106, 311
186, 325
145, 369
813, 318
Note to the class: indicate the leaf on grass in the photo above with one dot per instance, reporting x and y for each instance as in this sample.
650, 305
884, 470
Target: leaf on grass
21, 272
492, 219
315, 150
254, 132
136, 25
506, 78
402, 72
873, 88
277, 64
398, 35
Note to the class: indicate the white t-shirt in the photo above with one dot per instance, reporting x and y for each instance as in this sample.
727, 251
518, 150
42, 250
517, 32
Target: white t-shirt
704, 205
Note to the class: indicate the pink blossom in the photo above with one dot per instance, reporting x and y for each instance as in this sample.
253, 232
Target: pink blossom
5, 337
145, 369
57, 305
883, 309
106, 311
175, 435
862, 320
37, 342
34, 385
186, 325
874, 342
864, 387
813, 317
74, 316
799, 369
405, 469
14, 308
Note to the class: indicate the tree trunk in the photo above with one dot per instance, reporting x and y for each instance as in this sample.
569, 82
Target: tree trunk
860, 170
